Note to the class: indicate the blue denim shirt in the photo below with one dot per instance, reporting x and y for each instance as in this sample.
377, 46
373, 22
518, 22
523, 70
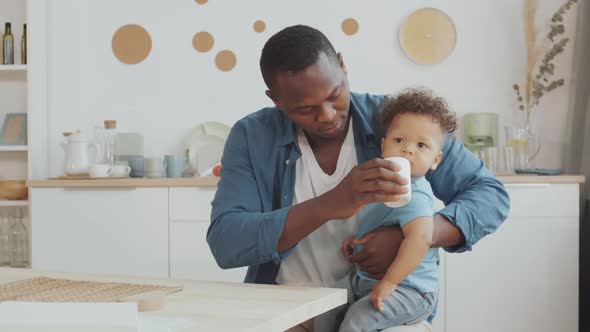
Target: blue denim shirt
257, 185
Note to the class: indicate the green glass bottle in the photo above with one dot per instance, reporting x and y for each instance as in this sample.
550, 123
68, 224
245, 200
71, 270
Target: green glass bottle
8, 45
23, 46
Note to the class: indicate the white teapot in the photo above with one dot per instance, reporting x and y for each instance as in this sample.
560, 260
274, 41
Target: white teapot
77, 159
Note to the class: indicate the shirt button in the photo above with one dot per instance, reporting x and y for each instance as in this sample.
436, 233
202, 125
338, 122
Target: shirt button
287, 162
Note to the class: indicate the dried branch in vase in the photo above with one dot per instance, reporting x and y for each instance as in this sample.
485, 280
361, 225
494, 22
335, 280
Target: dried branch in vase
537, 85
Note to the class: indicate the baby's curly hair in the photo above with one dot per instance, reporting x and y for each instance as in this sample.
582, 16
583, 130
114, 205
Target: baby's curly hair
418, 101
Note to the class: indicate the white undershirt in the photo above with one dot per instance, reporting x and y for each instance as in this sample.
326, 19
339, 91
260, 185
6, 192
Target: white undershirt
317, 260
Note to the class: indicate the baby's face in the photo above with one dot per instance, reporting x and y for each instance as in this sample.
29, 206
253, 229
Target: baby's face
414, 137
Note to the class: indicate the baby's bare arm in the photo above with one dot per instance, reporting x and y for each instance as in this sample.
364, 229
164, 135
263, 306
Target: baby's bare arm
417, 241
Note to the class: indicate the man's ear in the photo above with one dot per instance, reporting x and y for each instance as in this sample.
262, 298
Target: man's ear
437, 160
273, 98
341, 63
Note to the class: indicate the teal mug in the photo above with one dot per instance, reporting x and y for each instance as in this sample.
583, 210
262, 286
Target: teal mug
137, 167
175, 166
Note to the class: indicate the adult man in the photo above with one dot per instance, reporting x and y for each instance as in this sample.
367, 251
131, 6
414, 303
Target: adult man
294, 176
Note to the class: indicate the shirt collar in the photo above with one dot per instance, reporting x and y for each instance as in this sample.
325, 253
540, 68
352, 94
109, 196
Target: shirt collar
362, 122
288, 130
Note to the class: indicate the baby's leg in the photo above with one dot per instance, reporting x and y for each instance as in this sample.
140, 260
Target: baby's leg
405, 306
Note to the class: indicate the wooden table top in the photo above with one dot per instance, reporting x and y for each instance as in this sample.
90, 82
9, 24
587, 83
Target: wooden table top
221, 306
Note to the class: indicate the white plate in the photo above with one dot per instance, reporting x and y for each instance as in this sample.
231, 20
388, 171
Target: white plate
205, 143
210, 128
205, 152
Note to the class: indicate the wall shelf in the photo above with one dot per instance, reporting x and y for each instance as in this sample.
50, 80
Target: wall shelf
10, 148
13, 203
13, 68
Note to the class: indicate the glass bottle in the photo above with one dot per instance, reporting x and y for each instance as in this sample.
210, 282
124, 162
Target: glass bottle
99, 140
19, 242
110, 135
188, 172
8, 45
4, 238
23, 46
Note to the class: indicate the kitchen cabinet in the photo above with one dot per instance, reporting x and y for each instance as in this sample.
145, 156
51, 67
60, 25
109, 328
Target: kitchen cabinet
191, 203
524, 277
116, 231
155, 232
190, 257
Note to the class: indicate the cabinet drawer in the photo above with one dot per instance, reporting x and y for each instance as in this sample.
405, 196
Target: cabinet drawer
191, 203
543, 200
111, 231
529, 281
190, 257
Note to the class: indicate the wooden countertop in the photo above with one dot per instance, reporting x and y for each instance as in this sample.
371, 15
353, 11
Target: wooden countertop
130, 182
222, 306
211, 182
506, 179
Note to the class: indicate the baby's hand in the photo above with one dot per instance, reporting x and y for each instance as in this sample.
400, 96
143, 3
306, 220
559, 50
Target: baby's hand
381, 291
347, 247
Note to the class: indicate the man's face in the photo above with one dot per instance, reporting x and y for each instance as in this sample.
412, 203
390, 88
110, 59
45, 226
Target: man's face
316, 99
417, 138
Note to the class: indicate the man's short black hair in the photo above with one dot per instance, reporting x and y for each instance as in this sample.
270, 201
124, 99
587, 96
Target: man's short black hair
293, 49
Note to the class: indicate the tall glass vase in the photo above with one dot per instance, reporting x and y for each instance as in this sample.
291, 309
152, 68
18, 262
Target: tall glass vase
524, 142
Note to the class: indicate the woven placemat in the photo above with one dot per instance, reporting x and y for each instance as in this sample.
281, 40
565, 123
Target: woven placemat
43, 289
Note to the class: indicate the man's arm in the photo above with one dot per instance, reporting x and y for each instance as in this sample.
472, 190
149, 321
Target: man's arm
445, 233
240, 234
476, 202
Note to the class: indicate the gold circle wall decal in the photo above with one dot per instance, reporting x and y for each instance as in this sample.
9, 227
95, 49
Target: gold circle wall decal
203, 41
131, 44
259, 26
225, 60
350, 26
428, 36
201, 2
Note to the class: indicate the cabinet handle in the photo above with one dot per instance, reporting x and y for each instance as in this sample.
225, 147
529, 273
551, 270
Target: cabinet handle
528, 185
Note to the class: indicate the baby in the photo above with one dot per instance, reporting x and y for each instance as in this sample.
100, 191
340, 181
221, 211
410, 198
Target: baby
415, 124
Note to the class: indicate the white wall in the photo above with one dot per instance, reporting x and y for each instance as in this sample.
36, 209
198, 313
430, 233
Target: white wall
176, 87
